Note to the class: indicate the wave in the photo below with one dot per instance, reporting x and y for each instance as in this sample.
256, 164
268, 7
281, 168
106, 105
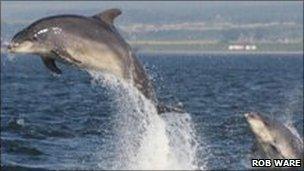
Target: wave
142, 139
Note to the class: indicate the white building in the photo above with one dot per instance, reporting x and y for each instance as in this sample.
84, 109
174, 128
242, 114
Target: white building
242, 47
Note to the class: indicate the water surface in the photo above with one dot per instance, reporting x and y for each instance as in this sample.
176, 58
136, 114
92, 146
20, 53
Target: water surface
70, 121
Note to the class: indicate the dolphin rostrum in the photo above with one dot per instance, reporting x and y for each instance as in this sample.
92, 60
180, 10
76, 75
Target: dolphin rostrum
276, 140
91, 43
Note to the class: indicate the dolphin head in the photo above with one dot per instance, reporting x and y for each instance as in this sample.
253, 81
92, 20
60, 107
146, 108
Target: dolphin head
31, 40
261, 126
275, 135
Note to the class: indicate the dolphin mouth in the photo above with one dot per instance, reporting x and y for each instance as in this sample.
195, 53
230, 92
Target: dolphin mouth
25, 47
246, 115
251, 115
254, 116
11, 47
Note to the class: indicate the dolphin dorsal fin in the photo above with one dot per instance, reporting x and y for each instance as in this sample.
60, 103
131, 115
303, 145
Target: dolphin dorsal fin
108, 16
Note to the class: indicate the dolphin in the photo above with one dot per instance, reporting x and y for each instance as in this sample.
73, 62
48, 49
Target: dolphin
275, 139
87, 42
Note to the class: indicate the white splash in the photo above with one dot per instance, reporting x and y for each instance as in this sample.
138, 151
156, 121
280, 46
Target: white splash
294, 131
145, 140
294, 101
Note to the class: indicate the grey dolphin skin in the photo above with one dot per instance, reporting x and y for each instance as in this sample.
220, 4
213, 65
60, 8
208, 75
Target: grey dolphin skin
91, 43
276, 140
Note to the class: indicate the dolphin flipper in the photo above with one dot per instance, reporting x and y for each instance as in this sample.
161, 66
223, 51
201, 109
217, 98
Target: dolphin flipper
65, 55
51, 65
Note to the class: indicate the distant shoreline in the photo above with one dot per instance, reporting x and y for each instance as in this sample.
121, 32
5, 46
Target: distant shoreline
211, 47
222, 52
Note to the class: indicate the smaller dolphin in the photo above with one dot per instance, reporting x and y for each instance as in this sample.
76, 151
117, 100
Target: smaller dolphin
277, 140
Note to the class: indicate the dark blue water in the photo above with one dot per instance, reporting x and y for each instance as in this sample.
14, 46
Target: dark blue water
63, 122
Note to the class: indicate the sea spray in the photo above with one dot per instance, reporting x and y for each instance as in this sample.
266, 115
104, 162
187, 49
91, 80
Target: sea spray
142, 138
294, 102
182, 140
4, 44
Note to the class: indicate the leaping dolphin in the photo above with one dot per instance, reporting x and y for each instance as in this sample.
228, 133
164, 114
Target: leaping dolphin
91, 43
277, 141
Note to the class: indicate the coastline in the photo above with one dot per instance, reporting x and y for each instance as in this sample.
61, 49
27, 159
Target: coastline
221, 52
212, 47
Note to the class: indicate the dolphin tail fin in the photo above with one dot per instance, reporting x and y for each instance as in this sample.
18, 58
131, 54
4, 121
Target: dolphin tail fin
164, 109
